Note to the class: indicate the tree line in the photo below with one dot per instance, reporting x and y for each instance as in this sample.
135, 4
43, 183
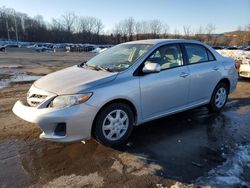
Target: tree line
70, 28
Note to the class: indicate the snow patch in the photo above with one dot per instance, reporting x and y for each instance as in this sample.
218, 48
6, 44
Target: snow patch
24, 78
11, 66
91, 180
235, 54
98, 50
136, 165
182, 185
231, 172
18, 78
4, 83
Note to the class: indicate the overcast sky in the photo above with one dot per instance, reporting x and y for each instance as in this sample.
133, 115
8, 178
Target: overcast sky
226, 15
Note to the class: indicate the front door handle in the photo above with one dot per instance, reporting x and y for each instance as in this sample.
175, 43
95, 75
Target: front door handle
216, 68
184, 74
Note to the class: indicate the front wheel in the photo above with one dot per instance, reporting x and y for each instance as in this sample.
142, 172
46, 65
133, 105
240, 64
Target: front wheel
219, 98
114, 124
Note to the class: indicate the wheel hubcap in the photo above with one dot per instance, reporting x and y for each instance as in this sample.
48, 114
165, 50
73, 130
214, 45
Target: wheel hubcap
220, 97
115, 125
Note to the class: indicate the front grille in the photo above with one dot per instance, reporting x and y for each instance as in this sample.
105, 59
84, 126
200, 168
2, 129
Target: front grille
35, 99
244, 73
39, 96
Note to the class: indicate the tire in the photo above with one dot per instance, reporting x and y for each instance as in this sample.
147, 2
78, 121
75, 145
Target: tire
219, 97
114, 124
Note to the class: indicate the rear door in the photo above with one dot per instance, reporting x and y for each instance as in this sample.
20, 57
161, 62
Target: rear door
167, 90
204, 72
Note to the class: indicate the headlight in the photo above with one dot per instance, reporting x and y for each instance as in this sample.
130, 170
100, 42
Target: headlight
69, 100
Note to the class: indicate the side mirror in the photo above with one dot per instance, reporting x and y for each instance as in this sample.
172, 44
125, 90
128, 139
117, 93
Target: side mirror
151, 67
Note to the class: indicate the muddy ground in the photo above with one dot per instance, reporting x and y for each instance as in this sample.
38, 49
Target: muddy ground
179, 148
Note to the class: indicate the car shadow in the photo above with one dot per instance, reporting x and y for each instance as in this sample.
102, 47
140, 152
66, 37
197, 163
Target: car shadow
242, 79
189, 144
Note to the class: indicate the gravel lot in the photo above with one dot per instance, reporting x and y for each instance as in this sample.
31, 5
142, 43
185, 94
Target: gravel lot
176, 150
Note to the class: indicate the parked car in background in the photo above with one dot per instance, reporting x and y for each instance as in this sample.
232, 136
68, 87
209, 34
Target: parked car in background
247, 48
125, 86
12, 46
44, 47
2, 48
232, 48
218, 47
98, 50
244, 69
89, 48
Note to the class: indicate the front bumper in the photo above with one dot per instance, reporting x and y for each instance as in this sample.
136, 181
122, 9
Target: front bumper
78, 120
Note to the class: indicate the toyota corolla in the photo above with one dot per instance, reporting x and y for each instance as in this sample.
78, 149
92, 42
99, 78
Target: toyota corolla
125, 86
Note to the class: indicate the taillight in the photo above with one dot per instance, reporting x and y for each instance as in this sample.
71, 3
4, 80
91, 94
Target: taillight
237, 65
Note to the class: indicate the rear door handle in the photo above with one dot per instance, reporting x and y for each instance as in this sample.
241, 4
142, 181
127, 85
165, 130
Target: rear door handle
184, 74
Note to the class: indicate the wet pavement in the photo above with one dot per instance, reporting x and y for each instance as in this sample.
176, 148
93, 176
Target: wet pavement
183, 147
189, 144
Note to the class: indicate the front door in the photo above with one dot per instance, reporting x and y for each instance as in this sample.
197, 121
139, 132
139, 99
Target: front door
167, 90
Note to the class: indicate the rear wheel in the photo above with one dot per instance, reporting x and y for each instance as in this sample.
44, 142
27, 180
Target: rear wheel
219, 97
114, 124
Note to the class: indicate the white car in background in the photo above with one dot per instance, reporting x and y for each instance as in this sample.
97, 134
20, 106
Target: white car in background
244, 70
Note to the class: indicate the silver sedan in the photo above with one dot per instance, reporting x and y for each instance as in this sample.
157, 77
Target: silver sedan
125, 86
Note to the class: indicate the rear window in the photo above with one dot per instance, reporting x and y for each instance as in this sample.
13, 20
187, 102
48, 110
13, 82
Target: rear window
210, 56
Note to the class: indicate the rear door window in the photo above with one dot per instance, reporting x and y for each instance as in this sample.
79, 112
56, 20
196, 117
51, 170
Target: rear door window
196, 53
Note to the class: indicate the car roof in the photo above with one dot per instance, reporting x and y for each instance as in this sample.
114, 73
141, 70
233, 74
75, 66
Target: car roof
159, 41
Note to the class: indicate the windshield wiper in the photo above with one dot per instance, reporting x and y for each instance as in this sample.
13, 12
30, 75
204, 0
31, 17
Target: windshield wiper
98, 67
95, 67
82, 64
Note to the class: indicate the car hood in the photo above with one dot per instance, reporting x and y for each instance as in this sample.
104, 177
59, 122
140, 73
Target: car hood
73, 80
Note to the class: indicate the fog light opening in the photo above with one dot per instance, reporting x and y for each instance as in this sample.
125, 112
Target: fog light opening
60, 129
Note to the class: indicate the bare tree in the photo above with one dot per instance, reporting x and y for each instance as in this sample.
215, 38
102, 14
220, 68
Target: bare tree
129, 24
210, 28
125, 29
187, 31
71, 28
155, 27
56, 25
165, 30
68, 21
138, 30
117, 33
176, 33
200, 33
39, 20
98, 28
90, 25
247, 36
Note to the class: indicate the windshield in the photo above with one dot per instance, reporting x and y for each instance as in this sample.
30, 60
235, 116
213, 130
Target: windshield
120, 57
